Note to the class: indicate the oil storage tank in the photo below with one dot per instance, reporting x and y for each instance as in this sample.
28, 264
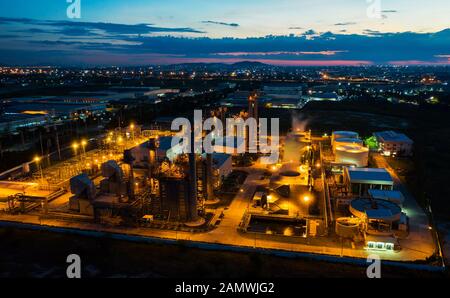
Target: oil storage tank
344, 134
352, 154
348, 227
346, 141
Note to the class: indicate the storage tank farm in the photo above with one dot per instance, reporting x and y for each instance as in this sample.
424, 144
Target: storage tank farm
348, 148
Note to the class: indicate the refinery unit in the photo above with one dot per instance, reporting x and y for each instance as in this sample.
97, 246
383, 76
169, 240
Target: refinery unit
322, 189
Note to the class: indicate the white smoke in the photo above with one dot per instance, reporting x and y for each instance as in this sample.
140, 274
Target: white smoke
299, 122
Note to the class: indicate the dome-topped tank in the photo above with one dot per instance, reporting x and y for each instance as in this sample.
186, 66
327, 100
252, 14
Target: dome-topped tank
353, 155
344, 134
346, 141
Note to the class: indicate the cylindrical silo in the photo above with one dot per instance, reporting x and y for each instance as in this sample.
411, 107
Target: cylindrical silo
344, 134
345, 142
347, 227
352, 154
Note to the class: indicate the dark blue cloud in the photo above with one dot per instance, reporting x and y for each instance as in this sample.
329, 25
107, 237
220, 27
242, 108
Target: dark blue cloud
129, 43
108, 28
221, 23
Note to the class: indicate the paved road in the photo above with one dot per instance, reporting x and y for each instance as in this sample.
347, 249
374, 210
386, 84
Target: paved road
420, 238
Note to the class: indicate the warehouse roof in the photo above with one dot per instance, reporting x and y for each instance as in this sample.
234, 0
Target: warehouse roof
370, 176
392, 136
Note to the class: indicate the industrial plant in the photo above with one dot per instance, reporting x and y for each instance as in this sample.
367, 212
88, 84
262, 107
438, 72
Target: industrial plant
326, 193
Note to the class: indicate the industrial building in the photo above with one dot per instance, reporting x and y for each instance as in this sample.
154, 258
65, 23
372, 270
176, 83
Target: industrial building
237, 99
282, 96
222, 166
11, 122
392, 143
360, 180
165, 149
57, 107
229, 145
319, 96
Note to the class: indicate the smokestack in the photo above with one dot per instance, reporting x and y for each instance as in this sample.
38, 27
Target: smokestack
253, 105
129, 159
192, 181
252, 113
209, 177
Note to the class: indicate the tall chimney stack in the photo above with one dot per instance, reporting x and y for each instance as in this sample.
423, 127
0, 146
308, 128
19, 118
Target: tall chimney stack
193, 180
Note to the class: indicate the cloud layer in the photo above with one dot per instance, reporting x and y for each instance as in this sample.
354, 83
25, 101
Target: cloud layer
29, 41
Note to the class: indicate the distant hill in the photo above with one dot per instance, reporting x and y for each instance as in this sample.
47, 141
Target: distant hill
249, 64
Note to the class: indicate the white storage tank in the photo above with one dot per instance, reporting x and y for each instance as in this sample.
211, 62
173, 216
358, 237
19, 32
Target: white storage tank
352, 154
347, 141
348, 227
344, 134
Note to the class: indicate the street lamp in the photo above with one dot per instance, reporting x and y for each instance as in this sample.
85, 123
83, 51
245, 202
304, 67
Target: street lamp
119, 141
37, 159
306, 199
83, 144
132, 131
75, 149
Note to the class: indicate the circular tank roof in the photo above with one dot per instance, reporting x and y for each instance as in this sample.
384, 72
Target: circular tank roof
348, 140
345, 132
352, 148
375, 209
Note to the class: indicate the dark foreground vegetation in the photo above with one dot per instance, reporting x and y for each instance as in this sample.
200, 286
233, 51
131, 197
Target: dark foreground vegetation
43, 254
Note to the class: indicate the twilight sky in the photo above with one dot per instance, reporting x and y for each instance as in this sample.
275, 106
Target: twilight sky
280, 32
